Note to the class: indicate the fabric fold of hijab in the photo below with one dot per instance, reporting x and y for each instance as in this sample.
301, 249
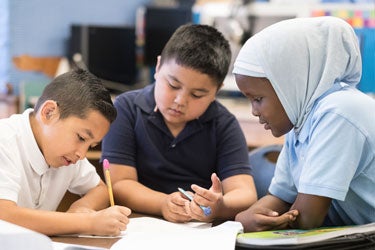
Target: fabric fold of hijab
302, 58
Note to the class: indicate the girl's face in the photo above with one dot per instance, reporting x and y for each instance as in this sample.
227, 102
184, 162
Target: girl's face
182, 94
265, 104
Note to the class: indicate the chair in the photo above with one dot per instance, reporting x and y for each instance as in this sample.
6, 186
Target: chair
263, 161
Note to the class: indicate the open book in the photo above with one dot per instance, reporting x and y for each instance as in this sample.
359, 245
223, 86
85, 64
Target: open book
300, 237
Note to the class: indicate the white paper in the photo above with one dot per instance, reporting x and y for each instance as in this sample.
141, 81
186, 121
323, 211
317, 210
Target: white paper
149, 233
148, 224
16, 237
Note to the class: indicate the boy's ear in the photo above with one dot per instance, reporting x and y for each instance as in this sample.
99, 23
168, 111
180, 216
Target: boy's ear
158, 63
157, 68
49, 111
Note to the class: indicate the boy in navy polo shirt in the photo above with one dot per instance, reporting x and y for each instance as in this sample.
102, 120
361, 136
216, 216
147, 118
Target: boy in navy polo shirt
174, 133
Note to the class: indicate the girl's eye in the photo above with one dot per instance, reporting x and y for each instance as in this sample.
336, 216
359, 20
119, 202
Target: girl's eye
257, 99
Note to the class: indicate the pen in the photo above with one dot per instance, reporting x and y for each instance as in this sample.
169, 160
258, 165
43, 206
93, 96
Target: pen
108, 181
206, 210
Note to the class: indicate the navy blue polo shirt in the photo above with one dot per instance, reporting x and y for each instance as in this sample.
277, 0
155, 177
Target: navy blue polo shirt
140, 138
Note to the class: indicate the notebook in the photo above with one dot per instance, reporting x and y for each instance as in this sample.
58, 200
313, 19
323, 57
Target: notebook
360, 236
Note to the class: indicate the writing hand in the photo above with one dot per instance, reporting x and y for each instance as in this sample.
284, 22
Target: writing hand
110, 221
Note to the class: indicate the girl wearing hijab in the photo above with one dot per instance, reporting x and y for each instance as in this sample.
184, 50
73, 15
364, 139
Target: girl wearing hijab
300, 76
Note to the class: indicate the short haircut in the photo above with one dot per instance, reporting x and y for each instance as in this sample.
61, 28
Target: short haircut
199, 47
76, 93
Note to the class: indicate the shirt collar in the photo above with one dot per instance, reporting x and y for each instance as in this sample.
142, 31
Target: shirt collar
34, 155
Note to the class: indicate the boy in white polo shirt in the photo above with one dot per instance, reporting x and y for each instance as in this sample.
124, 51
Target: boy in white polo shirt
42, 155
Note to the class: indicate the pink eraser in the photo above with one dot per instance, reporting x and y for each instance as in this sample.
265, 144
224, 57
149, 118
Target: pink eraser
105, 164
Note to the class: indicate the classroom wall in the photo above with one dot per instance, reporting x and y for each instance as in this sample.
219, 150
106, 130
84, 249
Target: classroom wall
41, 28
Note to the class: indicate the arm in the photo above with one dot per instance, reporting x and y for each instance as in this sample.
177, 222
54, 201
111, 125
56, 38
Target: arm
129, 192
96, 199
269, 213
105, 222
312, 211
226, 198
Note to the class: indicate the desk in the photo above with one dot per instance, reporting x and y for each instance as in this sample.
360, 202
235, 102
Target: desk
94, 242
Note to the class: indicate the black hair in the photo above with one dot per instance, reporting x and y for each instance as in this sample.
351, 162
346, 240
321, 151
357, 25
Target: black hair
199, 47
76, 93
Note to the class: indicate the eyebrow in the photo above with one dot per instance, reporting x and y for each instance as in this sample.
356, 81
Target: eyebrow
89, 133
176, 79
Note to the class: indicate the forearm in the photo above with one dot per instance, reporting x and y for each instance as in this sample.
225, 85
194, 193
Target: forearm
96, 199
266, 214
274, 203
236, 201
47, 222
138, 197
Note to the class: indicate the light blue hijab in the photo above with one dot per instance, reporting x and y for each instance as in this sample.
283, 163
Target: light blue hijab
302, 58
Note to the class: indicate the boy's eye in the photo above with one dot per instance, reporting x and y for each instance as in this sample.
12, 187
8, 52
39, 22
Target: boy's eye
196, 96
81, 138
172, 86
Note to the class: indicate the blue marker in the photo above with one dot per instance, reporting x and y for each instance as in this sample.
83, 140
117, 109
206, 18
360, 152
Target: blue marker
206, 210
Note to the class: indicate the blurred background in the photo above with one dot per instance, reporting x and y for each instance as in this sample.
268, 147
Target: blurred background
119, 40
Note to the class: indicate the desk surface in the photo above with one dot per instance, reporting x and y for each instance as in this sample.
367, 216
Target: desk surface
93, 242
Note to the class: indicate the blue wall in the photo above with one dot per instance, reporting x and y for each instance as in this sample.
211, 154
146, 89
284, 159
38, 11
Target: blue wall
41, 27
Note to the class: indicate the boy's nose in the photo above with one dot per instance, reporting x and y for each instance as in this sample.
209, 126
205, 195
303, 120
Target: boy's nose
81, 152
180, 99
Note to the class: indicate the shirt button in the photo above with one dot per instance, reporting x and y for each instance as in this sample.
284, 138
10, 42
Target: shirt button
173, 145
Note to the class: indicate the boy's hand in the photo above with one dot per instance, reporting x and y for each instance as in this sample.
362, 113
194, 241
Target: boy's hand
175, 208
212, 198
110, 221
258, 218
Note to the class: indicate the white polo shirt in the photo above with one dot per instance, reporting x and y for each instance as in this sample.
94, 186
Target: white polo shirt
25, 177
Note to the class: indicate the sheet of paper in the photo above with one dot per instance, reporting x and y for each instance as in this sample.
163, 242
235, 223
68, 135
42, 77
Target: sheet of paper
149, 233
148, 224
16, 237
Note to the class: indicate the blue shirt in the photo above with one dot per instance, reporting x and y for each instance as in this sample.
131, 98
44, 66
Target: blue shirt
333, 156
140, 138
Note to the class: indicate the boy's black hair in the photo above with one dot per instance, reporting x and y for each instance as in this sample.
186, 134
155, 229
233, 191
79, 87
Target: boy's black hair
199, 47
77, 92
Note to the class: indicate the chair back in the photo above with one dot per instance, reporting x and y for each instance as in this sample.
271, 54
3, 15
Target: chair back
263, 167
